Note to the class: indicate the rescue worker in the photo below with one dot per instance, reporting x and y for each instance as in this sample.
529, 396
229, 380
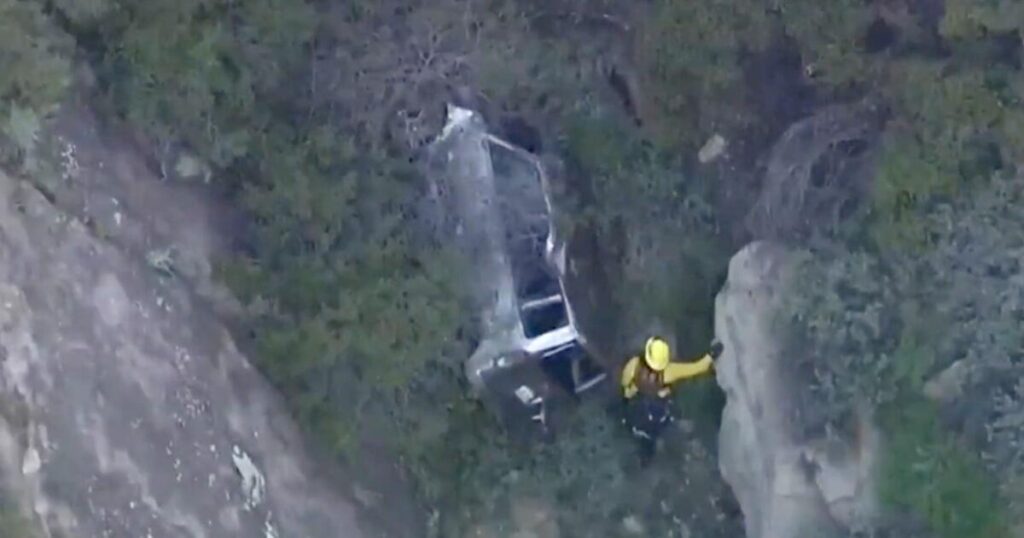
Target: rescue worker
647, 384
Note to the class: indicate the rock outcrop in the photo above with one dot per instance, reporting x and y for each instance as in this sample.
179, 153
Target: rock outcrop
788, 485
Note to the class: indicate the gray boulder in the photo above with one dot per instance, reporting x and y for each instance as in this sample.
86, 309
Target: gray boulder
788, 484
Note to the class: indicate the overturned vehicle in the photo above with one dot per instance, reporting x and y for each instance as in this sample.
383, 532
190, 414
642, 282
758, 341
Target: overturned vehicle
496, 206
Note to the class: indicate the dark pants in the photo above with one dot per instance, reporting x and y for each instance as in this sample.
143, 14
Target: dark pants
647, 416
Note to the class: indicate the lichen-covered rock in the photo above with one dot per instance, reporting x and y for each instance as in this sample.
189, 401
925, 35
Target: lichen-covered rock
787, 483
125, 410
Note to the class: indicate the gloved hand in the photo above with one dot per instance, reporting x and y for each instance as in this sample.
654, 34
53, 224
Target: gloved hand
716, 349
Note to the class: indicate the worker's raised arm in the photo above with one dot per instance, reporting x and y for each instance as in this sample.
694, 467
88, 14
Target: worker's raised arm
677, 371
629, 388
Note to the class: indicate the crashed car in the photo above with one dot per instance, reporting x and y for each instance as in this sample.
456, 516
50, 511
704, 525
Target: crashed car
496, 203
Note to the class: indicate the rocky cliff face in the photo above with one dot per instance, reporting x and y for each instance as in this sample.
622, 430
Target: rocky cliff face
788, 484
125, 407
126, 411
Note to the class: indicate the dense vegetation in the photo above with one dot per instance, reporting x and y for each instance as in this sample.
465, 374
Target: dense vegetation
308, 114
14, 525
889, 321
926, 286
36, 71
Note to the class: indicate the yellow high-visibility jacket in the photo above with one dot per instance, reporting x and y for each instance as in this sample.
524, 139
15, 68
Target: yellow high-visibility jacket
637, 377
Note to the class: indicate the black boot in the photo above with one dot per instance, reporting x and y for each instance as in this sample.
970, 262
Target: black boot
647, 450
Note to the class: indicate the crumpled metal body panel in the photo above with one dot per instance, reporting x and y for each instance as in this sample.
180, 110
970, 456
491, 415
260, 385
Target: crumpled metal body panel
495, 205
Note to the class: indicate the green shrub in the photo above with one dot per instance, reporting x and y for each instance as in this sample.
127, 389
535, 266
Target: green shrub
34, 75
866, 329
927, 471
192, 71
85, 14
599, 146
660, 235
588, 476
978, 18
947, 108
908, 175
354, 294
878, 325
951, 124
838, 319
34, 65
688, 57
829, 37
512, 66
1012, 131
13, 524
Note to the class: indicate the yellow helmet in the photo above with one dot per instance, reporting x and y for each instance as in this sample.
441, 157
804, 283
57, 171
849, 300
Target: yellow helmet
656, 354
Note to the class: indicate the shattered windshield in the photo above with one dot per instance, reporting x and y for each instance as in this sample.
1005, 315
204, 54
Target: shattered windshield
511, 268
